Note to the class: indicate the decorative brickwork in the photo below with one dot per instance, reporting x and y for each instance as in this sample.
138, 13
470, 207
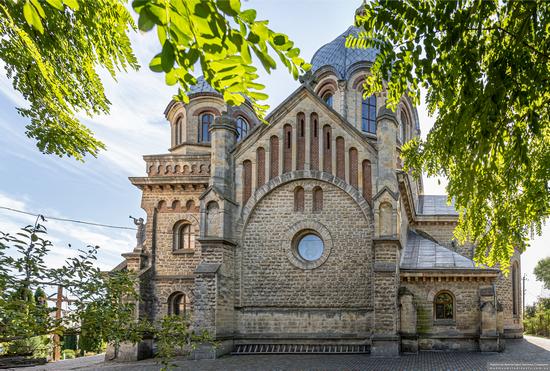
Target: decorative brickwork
300, 141
273, 157
340, 158
247, 180
260, 161
287, 148
314, 138
327, 149
353, 168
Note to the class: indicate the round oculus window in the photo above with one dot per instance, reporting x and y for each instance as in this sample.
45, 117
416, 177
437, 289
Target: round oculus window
310, 247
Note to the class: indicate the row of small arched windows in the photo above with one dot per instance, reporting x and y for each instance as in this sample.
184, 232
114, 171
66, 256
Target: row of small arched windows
203, 132
320, 144
317, 198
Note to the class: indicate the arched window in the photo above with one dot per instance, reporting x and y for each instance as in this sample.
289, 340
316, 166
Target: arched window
273, 157
353, 167
340, 158
314, 142
298, 199
317, 199
300, 141
178, 133
183, 236
515, 291
260, 170
287, 149
178, 304
444, 306
327, 150
247, 180
405, 124
368, 114
205, 120
242, 128
327, 98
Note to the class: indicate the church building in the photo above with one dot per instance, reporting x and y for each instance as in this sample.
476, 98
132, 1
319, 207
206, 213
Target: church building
305, 235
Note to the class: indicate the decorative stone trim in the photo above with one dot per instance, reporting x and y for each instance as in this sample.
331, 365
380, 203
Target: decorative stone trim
184, 252
290, 243
305, 175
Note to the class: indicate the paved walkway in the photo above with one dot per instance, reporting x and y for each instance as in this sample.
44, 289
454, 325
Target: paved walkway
528, 354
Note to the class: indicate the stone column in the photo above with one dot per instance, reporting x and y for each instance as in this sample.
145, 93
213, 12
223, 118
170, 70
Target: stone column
223, 135
213, 308
409, 337
489, 338
386, 128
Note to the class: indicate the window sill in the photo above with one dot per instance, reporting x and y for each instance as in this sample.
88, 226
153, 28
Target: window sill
184, 252
444, 322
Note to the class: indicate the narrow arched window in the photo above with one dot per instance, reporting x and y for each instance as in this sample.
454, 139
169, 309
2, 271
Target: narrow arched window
178, 304
368, 114
317, 199
298, 199
353, 167
205, 120
247, 180
327, 151
314, 142
444, 306
340, 158
242, 128
260, 169
515, 291
178, 133
273, 157
183, 236
287, 148
327, 98
367, 181
405, 123
300, 141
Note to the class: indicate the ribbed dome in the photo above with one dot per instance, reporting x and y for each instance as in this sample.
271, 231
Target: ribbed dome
201, 87
336, 55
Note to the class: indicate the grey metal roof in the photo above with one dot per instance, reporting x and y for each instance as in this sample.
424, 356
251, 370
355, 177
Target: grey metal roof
421, 253
201, 87
435, 205
336, 55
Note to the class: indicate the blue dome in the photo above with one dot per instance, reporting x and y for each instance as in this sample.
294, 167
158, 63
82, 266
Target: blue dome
336, 55
201, 87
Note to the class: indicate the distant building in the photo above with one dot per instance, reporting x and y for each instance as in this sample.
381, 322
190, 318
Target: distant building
306, 234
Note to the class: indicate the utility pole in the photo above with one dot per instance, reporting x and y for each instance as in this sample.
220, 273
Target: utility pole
523, 292
56, 338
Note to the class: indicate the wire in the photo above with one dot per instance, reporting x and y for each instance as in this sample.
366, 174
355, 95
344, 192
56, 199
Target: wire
67, 220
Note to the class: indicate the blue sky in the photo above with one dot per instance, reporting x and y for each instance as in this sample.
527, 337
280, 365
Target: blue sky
98, 190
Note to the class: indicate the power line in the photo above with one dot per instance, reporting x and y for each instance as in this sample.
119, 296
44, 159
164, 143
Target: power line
67, 220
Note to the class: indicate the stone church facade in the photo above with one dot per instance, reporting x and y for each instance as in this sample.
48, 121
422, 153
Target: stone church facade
305, 235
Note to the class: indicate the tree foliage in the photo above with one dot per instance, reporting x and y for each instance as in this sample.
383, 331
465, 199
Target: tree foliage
102, 305
221, 37
53, 50
485, 66
542, 272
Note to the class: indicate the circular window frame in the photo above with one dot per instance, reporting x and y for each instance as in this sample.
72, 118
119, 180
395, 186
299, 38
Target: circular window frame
296, 232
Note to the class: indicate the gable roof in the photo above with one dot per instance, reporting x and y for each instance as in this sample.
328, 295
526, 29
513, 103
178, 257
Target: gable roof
421, 253
294, 99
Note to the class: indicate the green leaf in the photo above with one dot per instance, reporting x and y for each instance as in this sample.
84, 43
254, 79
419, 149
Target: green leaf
58, 4
156, 64
249, 15
73, 4
32, 17
167, 56
145, 21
